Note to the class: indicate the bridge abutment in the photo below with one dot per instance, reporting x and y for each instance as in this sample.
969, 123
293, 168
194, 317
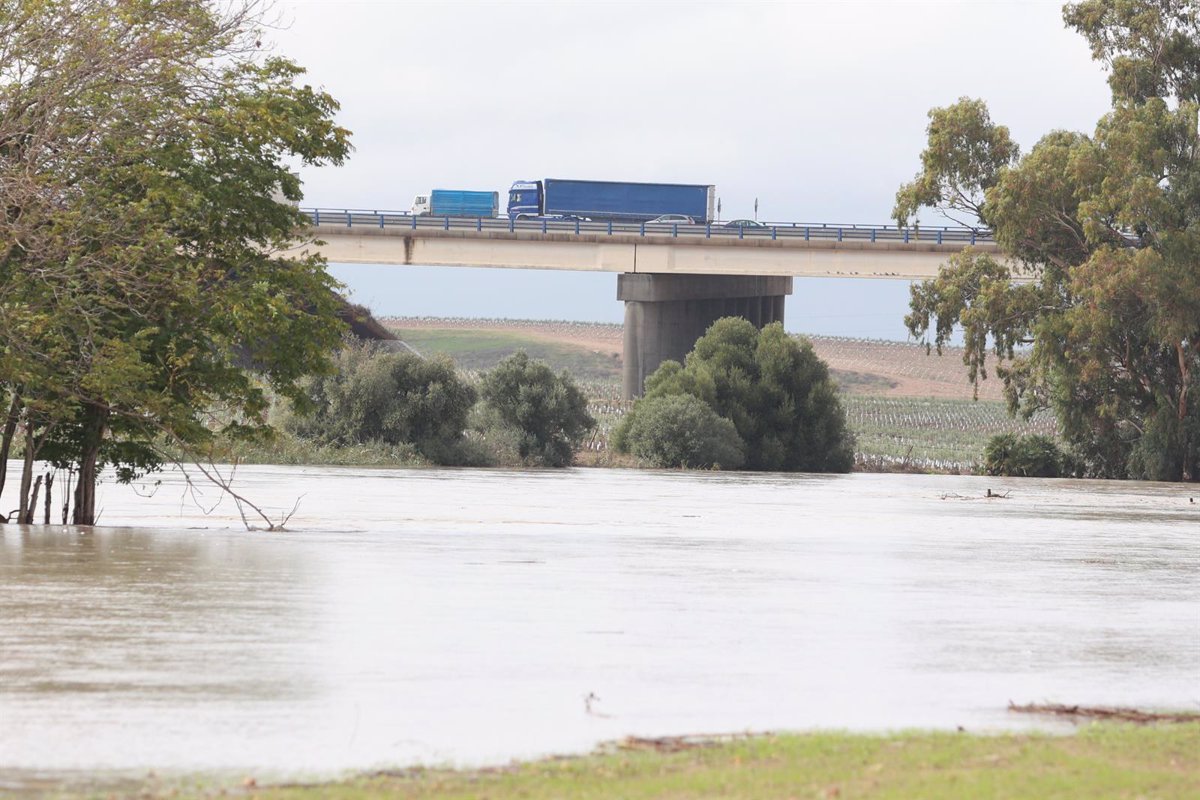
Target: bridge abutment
666, 314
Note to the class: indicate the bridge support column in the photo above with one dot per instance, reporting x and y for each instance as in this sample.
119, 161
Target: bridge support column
666, 314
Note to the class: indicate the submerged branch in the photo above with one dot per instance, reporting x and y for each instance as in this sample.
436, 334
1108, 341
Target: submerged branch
1106, 713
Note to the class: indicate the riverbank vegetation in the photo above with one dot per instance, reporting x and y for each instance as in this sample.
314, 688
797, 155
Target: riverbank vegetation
519, 413
1097, 316
906, 410
1099, 761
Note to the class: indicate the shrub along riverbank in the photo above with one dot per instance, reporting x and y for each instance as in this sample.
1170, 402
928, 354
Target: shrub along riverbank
1099, 761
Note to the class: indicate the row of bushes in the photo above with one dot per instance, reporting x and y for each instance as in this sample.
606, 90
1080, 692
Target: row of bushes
743, 399
521, 412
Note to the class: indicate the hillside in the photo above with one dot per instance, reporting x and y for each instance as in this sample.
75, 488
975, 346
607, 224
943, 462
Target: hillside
592, 352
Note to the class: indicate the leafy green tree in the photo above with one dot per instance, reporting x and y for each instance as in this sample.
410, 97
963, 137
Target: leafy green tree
545, 414
680, 431
1097, 311
143, 280
375, 395
774, 390
1032, 456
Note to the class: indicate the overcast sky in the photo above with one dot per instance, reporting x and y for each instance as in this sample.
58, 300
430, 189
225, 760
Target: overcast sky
818, 109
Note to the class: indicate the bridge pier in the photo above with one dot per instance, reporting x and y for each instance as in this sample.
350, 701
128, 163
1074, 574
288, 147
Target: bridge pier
666, 314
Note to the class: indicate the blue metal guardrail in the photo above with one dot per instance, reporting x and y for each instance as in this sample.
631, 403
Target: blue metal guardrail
352, 217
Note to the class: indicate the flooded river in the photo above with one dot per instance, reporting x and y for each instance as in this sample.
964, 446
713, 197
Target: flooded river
445, 616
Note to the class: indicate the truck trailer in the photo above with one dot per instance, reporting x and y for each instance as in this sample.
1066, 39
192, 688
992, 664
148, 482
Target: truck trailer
609, 200
456, 203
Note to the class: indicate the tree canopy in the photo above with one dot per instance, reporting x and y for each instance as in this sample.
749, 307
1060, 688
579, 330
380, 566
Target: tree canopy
1096, 311
375, 395
545, 414
774, 390
143, 146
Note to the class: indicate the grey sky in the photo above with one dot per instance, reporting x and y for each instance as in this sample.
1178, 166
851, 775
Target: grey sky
817, 109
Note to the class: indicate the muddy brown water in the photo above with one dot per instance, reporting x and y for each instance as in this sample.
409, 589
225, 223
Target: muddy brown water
474, 616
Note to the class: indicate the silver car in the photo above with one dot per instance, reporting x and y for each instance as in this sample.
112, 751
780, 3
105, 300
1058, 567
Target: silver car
672, 219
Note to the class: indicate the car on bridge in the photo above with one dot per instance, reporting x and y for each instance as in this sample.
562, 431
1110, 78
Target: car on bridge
744, 223
672, 219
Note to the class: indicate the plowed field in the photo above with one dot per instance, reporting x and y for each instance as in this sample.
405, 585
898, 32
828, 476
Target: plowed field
862, 366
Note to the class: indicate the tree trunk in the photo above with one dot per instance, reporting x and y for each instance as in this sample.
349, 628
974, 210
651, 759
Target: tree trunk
26, 471
6, 438
33, 498
94, 422
1185, 376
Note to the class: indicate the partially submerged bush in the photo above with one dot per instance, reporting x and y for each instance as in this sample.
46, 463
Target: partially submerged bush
375, 395
542, 415
1031, 456
680, 431
773, 389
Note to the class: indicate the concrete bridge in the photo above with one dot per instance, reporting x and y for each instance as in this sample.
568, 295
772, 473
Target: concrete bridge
675, 280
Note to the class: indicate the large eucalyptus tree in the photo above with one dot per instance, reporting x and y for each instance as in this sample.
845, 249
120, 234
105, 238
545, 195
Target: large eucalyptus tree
1105, 229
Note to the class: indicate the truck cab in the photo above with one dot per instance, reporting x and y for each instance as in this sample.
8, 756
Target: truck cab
525, 199
420, 205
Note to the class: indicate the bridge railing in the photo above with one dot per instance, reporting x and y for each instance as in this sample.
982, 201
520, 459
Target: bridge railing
363, 218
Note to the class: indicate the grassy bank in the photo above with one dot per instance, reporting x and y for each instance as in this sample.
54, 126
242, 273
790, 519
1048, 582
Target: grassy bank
1100, 761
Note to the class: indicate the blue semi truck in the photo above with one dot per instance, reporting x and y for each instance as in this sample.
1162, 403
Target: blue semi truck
456, 203
609, 200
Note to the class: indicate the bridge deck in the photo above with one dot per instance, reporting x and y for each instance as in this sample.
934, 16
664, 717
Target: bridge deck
795, 250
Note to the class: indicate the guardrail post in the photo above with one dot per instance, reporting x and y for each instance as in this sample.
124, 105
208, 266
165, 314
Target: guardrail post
446, 223
906, 235
512, 221
708, 230
872, 236
741, 231
774, 232
806, 233
939, 237
349, 219
643, 227
972, 237
675, 230
576, 227
380, 218
610, 227
414, 219
543, 225
479, 224
839, 234
316, 216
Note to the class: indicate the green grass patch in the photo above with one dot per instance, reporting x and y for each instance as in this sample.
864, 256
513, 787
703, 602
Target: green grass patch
1101, 761
851, 382
478, 350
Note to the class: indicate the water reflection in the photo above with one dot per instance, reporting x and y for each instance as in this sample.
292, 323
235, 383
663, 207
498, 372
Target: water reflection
463, 616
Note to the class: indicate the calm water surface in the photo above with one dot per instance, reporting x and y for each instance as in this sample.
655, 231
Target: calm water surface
441, 616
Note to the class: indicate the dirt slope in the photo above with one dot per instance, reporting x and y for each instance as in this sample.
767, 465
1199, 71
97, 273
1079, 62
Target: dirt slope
862, 366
